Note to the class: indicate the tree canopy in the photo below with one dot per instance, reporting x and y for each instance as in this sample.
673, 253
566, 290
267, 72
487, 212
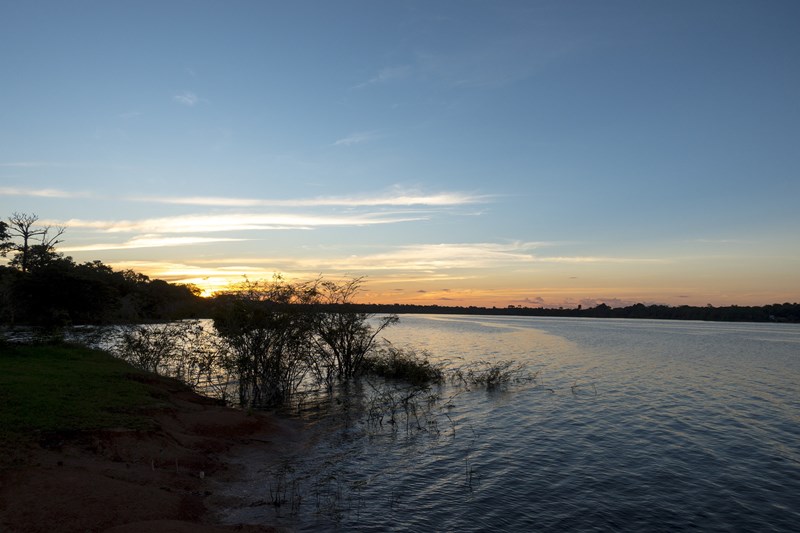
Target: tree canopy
42, 287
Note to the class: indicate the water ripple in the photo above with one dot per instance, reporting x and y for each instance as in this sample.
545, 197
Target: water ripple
634, 425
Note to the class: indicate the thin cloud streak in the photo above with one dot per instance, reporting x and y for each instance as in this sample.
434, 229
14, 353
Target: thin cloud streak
148, 241
357, 138
430, 258
402, 199
593, 259
30, 164
46, 193
385, 75
230, 222
187, 98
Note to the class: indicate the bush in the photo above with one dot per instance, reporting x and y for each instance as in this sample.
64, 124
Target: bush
266, 330
182, 350
343, 338
394, 363
491, 375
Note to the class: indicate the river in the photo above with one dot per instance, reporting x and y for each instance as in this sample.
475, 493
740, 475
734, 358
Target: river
629, 425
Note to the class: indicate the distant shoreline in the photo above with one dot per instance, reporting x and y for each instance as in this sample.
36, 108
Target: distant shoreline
777, 313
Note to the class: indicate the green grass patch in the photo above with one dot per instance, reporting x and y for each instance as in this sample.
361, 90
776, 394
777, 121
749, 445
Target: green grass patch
68, 388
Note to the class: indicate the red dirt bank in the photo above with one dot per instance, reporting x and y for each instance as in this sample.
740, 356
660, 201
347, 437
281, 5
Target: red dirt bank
126, 481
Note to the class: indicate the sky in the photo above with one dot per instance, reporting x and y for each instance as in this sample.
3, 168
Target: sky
491, 153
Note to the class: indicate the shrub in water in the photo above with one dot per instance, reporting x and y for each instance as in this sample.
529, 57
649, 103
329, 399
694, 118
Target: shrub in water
395, 363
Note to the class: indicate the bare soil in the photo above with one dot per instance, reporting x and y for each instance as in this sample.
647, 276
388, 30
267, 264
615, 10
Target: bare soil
127, 481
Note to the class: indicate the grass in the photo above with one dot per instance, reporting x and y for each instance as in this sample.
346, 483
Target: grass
62, 388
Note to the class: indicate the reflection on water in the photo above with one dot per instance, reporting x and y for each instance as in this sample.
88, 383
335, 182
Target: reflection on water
642, 425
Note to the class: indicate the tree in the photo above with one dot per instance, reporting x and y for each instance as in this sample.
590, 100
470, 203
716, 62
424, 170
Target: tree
8, 280
4, 236
37, 246
343, 336
266, 327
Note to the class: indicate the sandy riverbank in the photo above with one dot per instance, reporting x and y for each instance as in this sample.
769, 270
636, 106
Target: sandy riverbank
159, 480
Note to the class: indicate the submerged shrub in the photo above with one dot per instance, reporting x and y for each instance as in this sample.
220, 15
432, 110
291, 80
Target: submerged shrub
491, 374
266, 329
343, 338
404, 364
149, 347
182, 350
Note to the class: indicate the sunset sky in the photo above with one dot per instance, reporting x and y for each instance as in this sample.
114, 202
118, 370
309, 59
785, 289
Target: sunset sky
539, 153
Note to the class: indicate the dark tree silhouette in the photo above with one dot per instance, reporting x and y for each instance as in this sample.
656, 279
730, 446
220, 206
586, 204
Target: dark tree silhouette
37, 244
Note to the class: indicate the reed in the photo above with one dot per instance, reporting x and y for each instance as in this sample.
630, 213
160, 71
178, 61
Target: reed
491, 375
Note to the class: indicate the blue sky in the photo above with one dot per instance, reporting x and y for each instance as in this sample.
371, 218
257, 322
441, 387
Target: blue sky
492, 153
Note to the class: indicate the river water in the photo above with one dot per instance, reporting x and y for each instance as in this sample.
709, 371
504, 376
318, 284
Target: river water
630, 425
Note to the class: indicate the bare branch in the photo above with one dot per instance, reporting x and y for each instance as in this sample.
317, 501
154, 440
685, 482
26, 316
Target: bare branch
22, 226
50, 242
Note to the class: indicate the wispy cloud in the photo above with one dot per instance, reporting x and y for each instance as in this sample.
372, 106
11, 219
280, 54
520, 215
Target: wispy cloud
30, 164
232, 222
432, 259
447, 256
187, 98
397, 198
47, 193
357, 138
148, 241
386, 74
426, 258
596, 259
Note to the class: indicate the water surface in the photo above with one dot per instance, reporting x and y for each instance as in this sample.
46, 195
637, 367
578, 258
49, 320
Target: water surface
631, 425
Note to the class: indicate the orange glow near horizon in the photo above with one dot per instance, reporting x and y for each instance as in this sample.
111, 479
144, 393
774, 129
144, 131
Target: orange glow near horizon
495, 276
381, 291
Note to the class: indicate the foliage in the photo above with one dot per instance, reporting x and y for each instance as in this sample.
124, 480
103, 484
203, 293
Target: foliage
63, 293
35, 246
151, 347
4, 237
396, 404
277, 332
182, 350
491, 374
267, 332
41, 287
343, 337
778, 312
406, 365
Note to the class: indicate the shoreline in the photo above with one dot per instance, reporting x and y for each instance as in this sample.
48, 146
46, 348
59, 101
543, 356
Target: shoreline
129, 480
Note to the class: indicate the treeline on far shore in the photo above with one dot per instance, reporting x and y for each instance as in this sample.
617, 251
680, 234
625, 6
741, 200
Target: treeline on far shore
785, 312
61, 292
41, 287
